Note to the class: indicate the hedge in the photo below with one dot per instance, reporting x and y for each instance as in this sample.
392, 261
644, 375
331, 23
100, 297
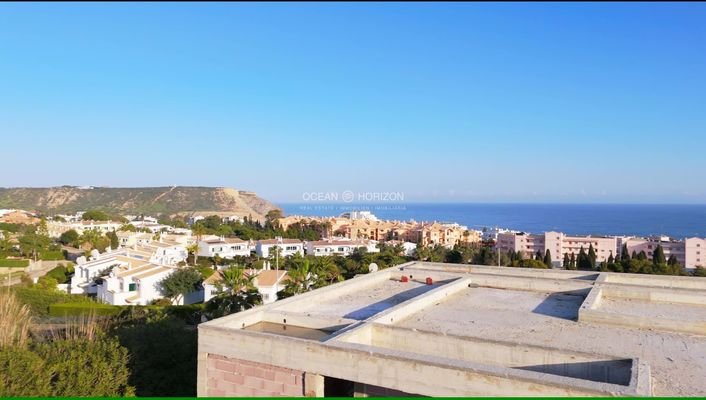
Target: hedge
39, 300
77, 309
51, 255
8, 263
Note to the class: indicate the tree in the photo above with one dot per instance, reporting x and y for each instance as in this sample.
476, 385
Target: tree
538, 256
236, 292
69, 238
193, 249
642, 256
583, 261
32, 243
114, 240
658, 256
567, 262
180, 283
300, 280
672, 260
454, 257
572, 262
591, 256
611, 260
548, 258
624, 255
95, 215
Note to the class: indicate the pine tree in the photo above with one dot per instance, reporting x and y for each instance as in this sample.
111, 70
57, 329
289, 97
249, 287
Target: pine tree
548, 258
572, 261
658, 256
592, 256
642, 256
634, 255
567, 262
672, 260
538, 255
611, 260
624, 255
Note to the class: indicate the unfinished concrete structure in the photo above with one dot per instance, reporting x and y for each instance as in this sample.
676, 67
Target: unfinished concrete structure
434, 329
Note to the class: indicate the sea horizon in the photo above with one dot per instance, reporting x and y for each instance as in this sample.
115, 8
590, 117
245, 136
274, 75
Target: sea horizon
677, 220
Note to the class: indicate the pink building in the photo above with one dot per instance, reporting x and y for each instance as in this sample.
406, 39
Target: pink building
690, 252
557, 243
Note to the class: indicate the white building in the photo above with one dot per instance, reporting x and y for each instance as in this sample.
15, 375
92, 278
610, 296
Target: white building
128, 239
133, 284
360, 215
224, 247
339, 247
56, 228
409, 248
288, 247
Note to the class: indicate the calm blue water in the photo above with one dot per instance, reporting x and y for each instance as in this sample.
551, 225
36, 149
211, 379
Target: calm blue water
677, 221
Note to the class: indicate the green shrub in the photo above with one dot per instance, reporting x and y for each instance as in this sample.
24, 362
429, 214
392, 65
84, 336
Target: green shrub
49, 255
85, 367
60, 273
79, 309
39, 300
7, 263
23, 373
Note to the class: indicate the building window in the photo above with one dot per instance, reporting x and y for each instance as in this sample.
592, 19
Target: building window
132, 287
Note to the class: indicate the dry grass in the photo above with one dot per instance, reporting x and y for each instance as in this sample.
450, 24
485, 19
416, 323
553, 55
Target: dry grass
15, 320
82, 327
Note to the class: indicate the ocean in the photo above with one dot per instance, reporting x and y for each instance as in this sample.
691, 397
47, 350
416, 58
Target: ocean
676, 221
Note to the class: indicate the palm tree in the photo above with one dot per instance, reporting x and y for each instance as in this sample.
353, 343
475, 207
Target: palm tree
236, 293
326, 271
193, 249
301, 279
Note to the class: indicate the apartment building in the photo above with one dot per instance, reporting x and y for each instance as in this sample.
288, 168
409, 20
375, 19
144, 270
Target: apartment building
557, 243
56, 228
690, 252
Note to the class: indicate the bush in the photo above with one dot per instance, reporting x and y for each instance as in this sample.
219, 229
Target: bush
7, 263
83, 367
82, 309
163, 356
23, 373
48, 255
39, 300
60, 273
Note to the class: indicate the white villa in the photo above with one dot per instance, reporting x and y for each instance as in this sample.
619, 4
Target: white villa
288, 247
223, 247
341, 247
133, 284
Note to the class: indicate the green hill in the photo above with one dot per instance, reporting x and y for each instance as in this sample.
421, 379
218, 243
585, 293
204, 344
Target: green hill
145, 200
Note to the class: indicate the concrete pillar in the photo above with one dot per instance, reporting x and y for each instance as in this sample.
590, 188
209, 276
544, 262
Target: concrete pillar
313, 385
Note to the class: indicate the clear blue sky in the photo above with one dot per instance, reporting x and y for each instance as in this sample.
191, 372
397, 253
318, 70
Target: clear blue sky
444, 102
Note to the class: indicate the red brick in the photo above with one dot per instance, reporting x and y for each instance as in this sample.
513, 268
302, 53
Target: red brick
292, 390
285, 378
268, 374
225, 366
275, 387
253, 382
216, 393
234, 378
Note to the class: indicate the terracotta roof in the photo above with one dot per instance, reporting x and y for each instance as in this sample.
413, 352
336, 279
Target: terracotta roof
271, 277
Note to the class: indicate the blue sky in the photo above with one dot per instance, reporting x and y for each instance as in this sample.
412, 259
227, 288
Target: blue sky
443, 102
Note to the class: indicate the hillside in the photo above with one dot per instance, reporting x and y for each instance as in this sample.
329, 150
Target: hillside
145, 200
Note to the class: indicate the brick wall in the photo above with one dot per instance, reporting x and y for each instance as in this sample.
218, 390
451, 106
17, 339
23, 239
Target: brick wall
231, 377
